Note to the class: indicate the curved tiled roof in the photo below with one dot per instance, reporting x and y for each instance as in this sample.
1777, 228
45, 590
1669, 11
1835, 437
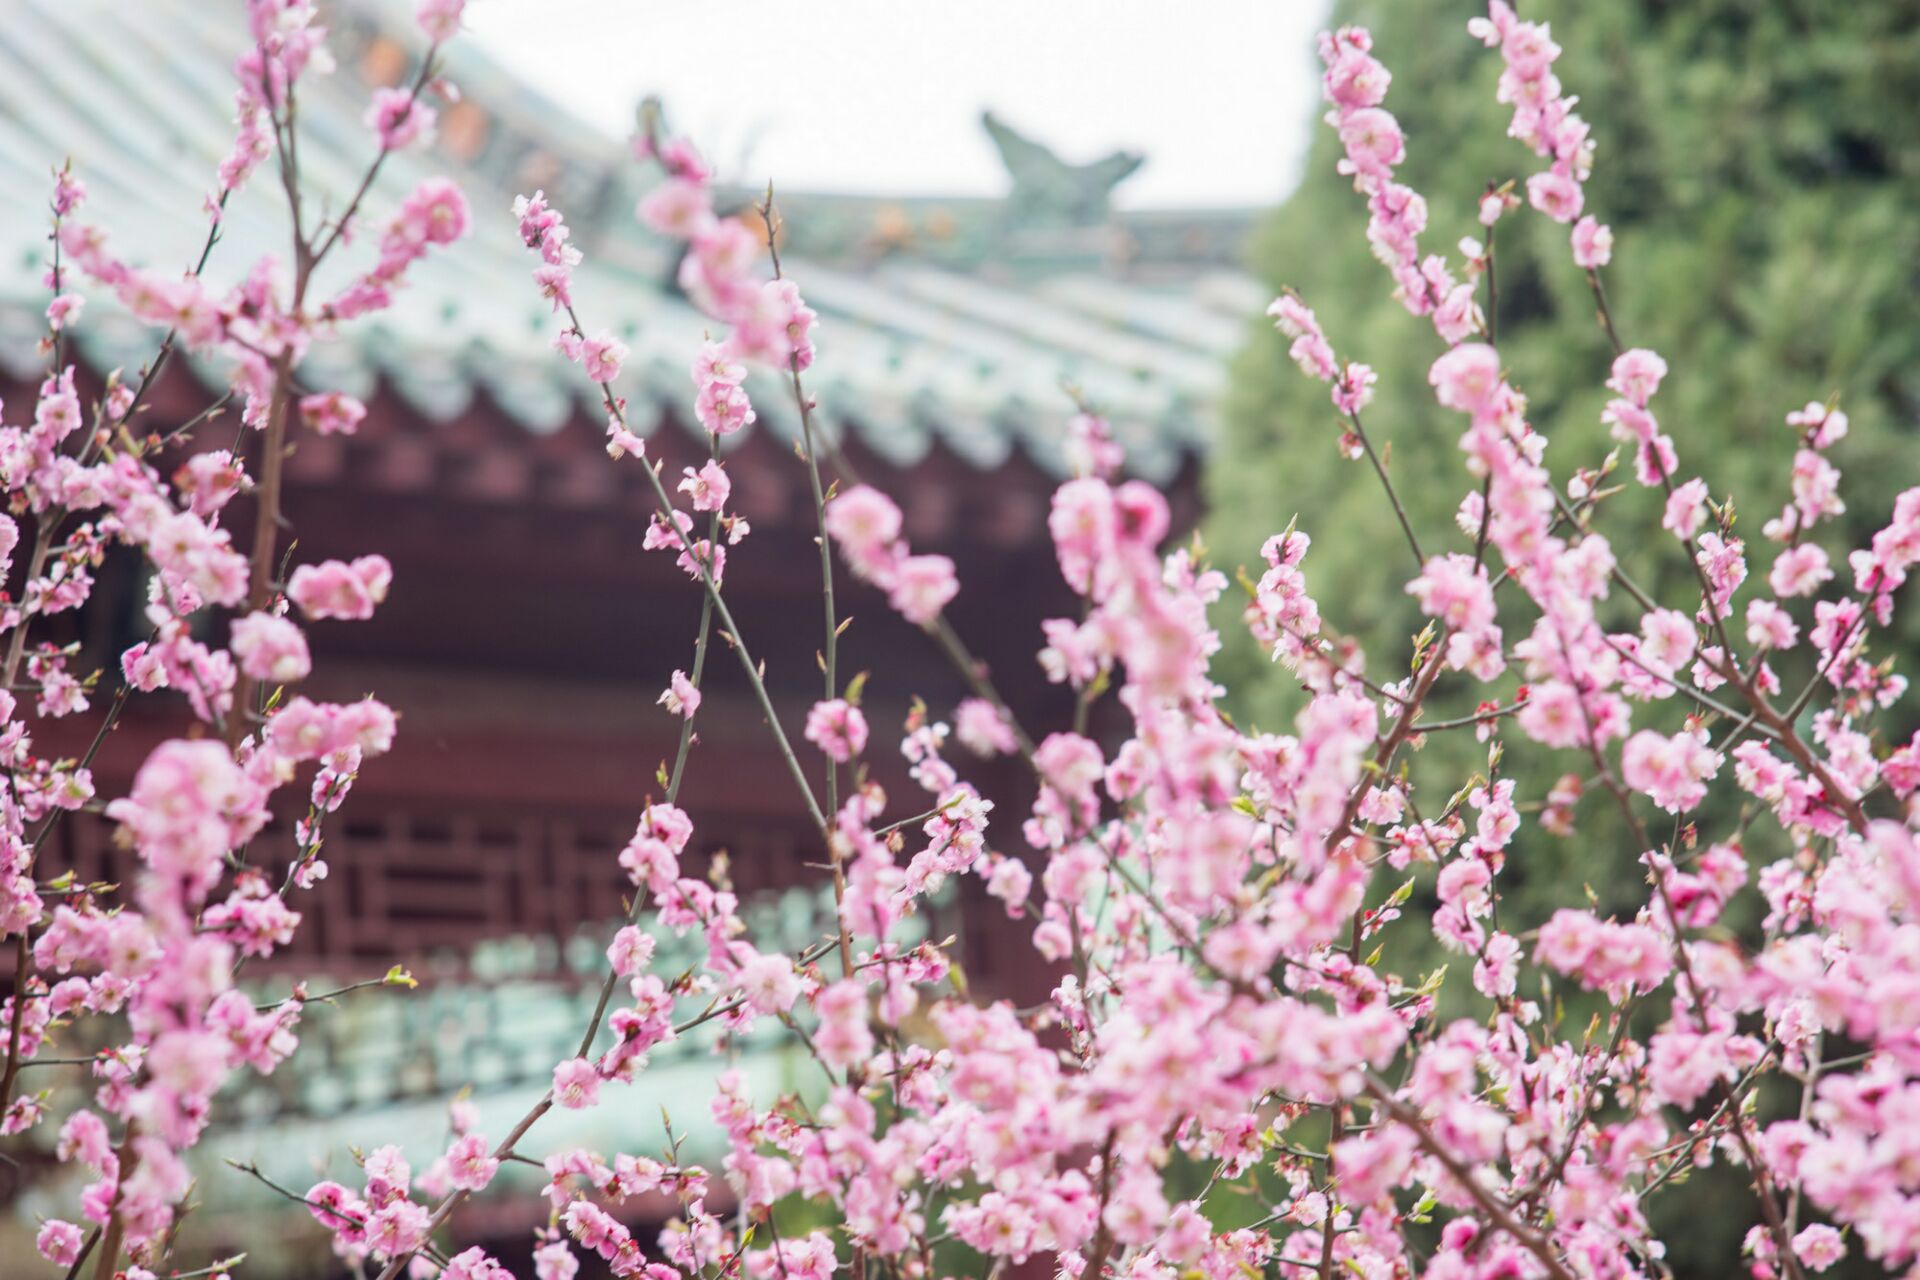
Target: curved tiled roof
921, 342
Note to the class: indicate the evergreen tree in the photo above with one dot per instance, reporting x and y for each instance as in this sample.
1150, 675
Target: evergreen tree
1759, 164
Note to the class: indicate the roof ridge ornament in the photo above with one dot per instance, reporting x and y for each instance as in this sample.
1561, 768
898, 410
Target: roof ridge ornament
1049, 192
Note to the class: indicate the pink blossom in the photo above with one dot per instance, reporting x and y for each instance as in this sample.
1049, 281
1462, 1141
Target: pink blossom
1353, 389
842, 1038
332, 1204
576, 1084
1373, 142
1770, 627
470, 1163
388, 1173
1674, 771
64, 311
1667, 639
1725, 564
336, 589
436, 213
398, 119
1686, 509
398, 1228
983, 728
1454, 589
1310, 349
1210, 897
189, 805
1555, 194
1458, 316
1353, 79
769, 983
68, 192
555, 1261
1603, 954
474, 1264
1467, 377
1637, 375
1496, 973
632, 949
270, 648
1823, 425
1592, 244
332, 413
1683, 1065
1011, 882
922, 587
602, 356
678, 207
1091, 448
1819, 1246
1136, 1209
440, 19
682, 696
723, 408
865, 524
1799, 571
838, 729
58, 1242
708, 487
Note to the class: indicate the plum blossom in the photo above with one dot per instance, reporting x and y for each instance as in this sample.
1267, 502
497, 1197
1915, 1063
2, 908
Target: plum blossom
332, 413
338, 589
983, 728
270, 648
708, 488
1220, 906
838, 729
576, 1084
398, 119
1592, 244
682, 696
440, 19
1674, 771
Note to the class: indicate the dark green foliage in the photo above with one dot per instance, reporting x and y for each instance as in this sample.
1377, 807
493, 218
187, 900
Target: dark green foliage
1760, 166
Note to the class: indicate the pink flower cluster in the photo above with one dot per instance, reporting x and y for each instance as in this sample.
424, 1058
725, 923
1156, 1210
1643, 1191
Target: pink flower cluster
337, 589
1219, 902
768, 322
865, 526
143, 975
838, 729
1352, 383
434, 215
399, 119
1355, 84
721, 406
1545, 120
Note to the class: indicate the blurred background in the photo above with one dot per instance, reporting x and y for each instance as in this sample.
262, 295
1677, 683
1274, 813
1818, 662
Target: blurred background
1149, 176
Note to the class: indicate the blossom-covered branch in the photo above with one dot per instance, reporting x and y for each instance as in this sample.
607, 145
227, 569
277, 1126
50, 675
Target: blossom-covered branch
1223, 908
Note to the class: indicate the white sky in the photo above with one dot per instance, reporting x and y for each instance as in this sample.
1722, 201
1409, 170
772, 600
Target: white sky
884, 96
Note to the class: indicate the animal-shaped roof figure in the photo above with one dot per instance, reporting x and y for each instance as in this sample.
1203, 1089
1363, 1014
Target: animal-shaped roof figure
1047, 191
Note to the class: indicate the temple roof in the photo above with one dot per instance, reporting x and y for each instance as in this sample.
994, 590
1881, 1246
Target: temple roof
950, 321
